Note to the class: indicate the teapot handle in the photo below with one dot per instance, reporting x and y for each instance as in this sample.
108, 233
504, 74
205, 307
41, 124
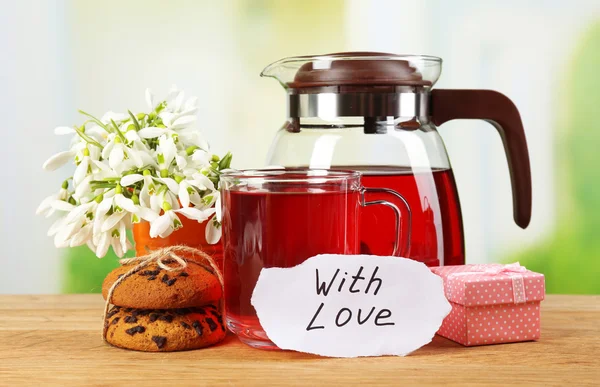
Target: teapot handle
501, 112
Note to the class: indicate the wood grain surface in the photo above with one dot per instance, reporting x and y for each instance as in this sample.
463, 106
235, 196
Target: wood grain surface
55, 340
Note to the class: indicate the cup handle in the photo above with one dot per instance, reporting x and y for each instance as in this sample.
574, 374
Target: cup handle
396, 252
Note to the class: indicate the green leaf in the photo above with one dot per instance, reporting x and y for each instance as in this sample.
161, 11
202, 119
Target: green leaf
135, 121
97, 121
118, 131
87, 138
103, 185
160, 107
225, 162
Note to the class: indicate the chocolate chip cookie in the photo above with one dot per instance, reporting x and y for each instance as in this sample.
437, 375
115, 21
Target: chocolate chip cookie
155, 288
157, 330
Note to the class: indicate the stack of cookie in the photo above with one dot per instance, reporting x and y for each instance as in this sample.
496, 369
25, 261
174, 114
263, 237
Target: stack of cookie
162, 310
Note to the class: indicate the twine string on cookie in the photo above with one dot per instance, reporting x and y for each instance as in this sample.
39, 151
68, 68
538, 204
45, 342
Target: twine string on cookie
160, 257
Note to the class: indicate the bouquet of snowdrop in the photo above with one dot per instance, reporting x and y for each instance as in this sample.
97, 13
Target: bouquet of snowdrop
131, 167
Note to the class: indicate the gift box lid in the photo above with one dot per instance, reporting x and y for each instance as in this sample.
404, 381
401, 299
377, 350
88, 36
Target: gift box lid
491, 284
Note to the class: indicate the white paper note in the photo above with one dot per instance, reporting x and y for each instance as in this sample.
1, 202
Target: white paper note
351, 305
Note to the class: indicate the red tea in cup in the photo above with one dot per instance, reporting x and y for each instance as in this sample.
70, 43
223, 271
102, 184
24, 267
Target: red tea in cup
280, 218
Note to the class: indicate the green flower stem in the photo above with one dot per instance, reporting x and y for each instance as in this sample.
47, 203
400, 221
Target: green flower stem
162, 189
107, 179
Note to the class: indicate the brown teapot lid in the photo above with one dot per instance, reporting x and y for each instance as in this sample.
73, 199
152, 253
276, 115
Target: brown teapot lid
347, 68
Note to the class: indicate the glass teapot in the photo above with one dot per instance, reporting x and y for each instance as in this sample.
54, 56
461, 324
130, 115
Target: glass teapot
377, 113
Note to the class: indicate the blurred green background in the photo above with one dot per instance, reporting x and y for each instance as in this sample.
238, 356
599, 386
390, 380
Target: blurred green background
570, 255
63, 55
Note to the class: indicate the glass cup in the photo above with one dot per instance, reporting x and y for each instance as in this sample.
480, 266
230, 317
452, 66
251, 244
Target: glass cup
280, 218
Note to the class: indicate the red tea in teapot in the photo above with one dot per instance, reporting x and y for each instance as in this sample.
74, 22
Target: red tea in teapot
365, 110
436, 237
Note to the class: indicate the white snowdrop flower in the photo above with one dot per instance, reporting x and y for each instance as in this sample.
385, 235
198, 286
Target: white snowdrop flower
202, 182
173, 94
192, 137
116, 151
83, 168
169, 221
218, 207
182, 122
166, 152
82, 190
163, 195
202, 157
143, 155
191, 105
82, 236
147, 190
150, 99
63, 130
57, 225
117, 238
117, 203
112, 116
62, 205
58, 160
171, 184
45, 208
128, 180
82, 212
63, 236
153, 132
184, 193
213, 231
178, 121
148, 167
181, 160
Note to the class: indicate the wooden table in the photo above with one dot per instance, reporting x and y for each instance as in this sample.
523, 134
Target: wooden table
56, 340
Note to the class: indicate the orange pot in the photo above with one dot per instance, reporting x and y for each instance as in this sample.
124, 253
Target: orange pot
191, 234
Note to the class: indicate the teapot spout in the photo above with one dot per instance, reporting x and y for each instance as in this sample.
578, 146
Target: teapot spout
283, 70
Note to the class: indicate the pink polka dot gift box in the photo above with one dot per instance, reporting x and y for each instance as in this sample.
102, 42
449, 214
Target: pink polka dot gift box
491, 303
